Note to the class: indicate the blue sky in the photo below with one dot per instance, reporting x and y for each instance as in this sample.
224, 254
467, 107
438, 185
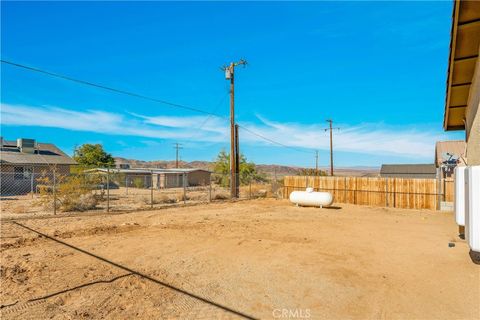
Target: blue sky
377, 68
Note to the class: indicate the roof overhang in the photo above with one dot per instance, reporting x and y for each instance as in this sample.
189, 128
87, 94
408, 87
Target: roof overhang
464, 46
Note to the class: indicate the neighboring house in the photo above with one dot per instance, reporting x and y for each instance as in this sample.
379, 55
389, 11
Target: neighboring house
449, 154
25, 160
415, 171
463, 77
162, 178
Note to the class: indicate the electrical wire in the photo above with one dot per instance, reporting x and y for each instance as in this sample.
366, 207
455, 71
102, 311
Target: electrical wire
272, 141
88, 83
132, 94
214, 112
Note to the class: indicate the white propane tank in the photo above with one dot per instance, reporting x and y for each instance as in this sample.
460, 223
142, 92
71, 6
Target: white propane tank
459, 201
472, 206
311, 198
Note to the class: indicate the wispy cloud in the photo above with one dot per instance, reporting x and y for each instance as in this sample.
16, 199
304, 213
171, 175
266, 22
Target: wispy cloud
368, 138
371, 138
112, 123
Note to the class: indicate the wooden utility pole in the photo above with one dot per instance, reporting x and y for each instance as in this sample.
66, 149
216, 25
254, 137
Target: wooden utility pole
177, 147
330, 121
230, 75
237, 163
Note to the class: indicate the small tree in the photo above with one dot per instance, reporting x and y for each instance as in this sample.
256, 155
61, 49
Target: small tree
312, 172
247, 169
93, 155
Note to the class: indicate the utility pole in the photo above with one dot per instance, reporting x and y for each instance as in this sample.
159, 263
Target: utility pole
330, 121
229, 75
316, 162
237, 165
177, 147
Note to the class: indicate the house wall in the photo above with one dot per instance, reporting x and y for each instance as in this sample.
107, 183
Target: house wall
139, 180
472, 121
198, 178
175, 180
14, 184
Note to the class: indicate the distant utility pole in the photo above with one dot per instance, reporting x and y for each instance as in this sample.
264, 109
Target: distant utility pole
177, 147
229, 75
316, 162
331, 144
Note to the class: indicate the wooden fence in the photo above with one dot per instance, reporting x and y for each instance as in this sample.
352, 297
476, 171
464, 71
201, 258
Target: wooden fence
383, 192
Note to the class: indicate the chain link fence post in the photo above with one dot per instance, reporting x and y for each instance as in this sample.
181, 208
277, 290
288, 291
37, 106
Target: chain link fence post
210, 188
31, 181
151, 189
55, 191
184, 188
108, 189
250, 188
126, 184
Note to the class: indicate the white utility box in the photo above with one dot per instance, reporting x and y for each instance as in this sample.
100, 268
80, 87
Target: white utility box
472, 207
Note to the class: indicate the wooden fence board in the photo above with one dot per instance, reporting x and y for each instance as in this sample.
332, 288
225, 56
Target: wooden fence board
383, 192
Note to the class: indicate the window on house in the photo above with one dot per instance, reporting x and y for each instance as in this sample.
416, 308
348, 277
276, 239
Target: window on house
27, 173
18, 173
22, 173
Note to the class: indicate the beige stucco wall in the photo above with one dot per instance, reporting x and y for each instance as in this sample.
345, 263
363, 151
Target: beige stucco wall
472, 121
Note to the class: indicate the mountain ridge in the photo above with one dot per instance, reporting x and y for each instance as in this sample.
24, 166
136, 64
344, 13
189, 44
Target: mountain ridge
268, 169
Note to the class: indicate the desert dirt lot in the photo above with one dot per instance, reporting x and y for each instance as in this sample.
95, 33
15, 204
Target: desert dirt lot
253, 258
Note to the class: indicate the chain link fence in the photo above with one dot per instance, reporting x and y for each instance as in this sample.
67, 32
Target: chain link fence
111, 190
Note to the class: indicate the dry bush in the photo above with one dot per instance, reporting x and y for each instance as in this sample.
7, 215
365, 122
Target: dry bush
160, 199
197, 196
182, 197
84, 202
166, 199
260, 193
257, 191
72, 193
221, 196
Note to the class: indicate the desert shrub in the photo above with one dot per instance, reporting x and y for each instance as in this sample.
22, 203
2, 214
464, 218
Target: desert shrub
197, 196
257, 191
138, 183
182, 197
72, 193
221, 196
160, 199
260, 193
84, 202
166, 199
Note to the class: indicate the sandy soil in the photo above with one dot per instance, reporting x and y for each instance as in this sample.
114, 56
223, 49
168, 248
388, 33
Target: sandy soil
252, 257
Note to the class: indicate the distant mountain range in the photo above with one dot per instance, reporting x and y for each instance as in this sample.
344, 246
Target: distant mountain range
268, 169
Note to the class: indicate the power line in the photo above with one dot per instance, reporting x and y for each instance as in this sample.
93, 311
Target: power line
213, 112
88, 83
132, 94
273, 141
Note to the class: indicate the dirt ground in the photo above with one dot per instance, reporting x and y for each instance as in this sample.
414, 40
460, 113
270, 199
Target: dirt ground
259, 258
